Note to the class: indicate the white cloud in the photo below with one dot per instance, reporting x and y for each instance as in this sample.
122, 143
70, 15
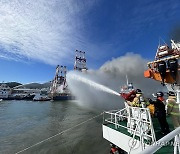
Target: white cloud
43, 30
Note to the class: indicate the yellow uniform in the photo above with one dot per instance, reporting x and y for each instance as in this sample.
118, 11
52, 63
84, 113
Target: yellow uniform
173, 110
139, 101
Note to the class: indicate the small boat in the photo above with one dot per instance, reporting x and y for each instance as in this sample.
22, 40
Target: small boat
40, 97
5, 91
128, 92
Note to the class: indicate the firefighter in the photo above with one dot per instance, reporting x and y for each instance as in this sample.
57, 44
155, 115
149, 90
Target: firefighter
173, 109
114, 149
139, 100
160, 112
151, 107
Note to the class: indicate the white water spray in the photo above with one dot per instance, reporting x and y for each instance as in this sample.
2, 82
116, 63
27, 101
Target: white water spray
93, 84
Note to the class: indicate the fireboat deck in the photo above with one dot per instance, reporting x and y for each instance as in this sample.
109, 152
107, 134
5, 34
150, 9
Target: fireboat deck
165, 149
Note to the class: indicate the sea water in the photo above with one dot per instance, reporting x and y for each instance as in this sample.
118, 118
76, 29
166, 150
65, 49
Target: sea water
25, 123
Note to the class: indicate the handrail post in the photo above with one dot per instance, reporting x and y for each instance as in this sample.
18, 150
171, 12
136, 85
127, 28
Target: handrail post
111, 117
115, 120
157, 145
176, 144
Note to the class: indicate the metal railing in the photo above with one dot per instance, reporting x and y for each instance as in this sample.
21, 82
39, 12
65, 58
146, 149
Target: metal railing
142, 119
139, 122
164, 141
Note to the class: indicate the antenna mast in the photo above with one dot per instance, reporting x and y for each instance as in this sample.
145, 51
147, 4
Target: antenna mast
127, 79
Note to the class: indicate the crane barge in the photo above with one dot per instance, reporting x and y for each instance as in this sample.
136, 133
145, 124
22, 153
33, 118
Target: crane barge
59, 88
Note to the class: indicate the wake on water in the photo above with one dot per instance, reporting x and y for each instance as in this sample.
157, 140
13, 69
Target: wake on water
93, 84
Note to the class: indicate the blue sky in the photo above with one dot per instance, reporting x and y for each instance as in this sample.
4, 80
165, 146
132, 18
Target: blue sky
35, 36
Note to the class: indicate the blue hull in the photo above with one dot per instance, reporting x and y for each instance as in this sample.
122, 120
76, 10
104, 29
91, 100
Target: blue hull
63, 98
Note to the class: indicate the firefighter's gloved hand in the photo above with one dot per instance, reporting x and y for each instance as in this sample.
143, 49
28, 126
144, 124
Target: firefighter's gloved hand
150, 100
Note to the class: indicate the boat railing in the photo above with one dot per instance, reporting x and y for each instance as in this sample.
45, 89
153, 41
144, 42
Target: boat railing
166, 141
115, 116
138, 122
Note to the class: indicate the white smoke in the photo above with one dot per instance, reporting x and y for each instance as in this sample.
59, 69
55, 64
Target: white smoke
113, 75
132, 65
91, 90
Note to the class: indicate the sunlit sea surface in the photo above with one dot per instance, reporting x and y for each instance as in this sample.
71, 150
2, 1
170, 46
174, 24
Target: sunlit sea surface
25, 123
